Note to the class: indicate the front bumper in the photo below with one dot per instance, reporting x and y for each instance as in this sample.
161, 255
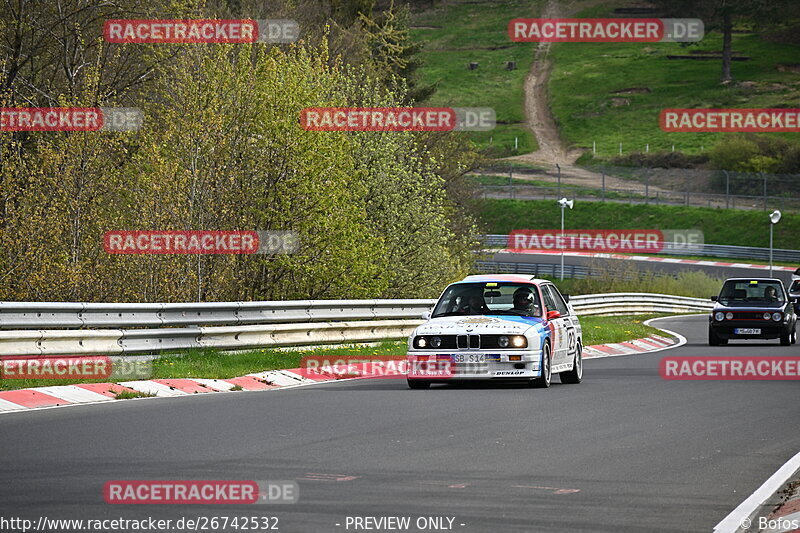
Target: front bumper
496, 366
769, 329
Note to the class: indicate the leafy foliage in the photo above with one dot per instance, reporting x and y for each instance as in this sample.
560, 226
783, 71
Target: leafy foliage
379, 214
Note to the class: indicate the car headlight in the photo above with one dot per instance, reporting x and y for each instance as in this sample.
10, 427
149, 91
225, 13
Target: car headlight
502, 341
519, 341
719, 316
729, 315
767, 316
421, 342
777, 317
436, 342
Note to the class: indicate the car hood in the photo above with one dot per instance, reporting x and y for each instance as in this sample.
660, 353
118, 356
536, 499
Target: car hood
745, 306
480, 325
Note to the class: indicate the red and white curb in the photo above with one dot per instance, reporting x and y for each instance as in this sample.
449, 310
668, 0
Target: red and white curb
651, 259
653, 343
83, 393
785, 518
87, 393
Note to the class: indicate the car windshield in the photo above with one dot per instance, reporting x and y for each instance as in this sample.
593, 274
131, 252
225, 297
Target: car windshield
752, 293
795, 286
489, 298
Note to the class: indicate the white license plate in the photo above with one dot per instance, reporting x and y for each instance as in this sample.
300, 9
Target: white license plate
747, 331
470, 358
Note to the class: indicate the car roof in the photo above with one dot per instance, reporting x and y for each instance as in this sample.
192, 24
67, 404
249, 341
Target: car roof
754, 279
514, 278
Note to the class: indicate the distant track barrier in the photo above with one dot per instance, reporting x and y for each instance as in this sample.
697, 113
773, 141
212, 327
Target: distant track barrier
705, 250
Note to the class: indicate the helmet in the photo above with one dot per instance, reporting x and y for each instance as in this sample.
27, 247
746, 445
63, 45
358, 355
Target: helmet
523, 293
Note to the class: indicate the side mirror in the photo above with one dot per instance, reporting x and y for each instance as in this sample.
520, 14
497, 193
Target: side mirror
566, 297
713, 298
552, 315
426, 315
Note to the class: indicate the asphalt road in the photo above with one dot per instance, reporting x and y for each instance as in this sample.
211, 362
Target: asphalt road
721, 272
622, 451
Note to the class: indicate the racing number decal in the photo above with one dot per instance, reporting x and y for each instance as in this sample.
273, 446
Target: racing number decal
572, 341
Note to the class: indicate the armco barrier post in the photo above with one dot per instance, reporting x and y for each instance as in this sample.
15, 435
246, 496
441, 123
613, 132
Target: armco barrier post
603, 189
727, 189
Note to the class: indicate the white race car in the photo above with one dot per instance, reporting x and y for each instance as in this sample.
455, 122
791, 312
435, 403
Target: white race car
497, 327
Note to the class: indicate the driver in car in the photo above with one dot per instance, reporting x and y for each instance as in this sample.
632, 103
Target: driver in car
523, 302
475, 305
771, 294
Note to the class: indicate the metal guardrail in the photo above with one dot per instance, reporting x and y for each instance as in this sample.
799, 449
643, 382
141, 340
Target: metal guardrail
550, 270
282, 323
24, 315
626, 303
705, 250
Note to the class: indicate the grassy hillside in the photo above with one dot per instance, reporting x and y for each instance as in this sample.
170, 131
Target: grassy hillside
586, 75
457, 33
721, 226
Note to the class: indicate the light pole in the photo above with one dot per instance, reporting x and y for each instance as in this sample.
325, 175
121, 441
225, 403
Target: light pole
774, 218
563, 203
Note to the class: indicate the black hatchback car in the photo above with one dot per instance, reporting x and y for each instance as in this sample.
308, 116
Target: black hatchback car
794, 291
750, 308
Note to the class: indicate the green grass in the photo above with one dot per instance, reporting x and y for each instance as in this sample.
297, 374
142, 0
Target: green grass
585, 74
478, 32
606, 329
720, 226
622, 276
573, 189
215, 365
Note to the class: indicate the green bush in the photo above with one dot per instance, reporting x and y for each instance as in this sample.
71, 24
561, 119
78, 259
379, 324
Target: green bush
624, 277
662, 159
755, 153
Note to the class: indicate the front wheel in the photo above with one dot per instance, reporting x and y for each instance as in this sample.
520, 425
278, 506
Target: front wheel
543, 382
576, 374
794, 335
786, 338
418, 384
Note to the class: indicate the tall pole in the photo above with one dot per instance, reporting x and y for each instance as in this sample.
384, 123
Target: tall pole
770, 247
562, 243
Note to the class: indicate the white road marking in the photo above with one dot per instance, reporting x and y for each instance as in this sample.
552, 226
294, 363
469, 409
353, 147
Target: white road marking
747, 508
215, 384
151, 387
73, 394
6, 406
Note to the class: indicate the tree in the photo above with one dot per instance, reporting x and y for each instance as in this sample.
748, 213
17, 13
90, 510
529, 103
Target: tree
723, 15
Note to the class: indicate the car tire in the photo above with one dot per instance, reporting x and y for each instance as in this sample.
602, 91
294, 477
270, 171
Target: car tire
794, 335
419, 384
575, 375
786, 339
547, 370
714, 339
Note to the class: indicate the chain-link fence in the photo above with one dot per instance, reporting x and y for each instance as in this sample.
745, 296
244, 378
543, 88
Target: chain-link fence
695, 187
